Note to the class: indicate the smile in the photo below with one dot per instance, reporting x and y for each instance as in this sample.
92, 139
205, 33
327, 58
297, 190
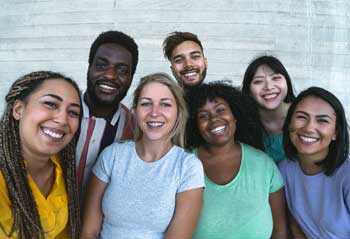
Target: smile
218, 130
106, 87
270, 96
155, 124
308, 139
52, 134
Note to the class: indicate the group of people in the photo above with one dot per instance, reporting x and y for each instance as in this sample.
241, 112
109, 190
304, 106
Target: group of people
189, 159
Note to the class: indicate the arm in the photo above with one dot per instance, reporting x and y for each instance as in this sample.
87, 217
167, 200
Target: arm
187, 210
93, 216
295, 229
277, 204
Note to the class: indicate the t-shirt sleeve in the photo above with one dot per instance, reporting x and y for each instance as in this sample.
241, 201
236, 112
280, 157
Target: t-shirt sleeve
192, 174
276, 180
104, 164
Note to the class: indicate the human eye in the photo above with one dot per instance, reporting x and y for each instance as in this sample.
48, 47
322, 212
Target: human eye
50, 104
166, 104
276, 77
74, 113
101, 65
300, 116
203, 116
196, 56
323, 121
178, 60
145, 103
220, 110
123, 70
257, 82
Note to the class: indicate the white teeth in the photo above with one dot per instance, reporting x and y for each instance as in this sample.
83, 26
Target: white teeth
307, 139
107, 87
190, 74
218, 130
53, 134
155, 124
270, 96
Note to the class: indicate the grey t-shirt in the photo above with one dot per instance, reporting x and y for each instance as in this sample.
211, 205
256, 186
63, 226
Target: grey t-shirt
139, 201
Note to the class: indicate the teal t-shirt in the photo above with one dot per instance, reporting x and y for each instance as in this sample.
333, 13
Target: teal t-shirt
241, 209
273, 145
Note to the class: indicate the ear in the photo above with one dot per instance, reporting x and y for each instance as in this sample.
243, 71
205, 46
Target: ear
334, 137
206, 62
17, 110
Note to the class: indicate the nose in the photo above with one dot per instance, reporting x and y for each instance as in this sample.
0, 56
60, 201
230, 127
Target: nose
110, 73
268, 84
309, 125
61, 117
155, 111
188, 62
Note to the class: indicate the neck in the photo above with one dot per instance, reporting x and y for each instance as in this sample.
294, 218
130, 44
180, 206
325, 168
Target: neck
152, 151
37, 165
100, 110
228, 149
273, 120
308, 164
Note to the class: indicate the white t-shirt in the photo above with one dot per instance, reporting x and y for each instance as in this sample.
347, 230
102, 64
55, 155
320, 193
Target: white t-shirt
139, 201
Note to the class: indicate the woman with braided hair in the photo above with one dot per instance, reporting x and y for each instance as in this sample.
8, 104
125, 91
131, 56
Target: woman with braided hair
38, 193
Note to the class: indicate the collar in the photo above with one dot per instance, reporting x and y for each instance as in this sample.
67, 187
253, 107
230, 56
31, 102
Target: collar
112, 119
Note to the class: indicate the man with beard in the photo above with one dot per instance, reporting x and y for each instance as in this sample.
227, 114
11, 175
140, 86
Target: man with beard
112, 63
185, 53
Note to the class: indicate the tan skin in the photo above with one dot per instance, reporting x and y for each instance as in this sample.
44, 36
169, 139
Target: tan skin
54, 105
151, 147
221, 156
269, 90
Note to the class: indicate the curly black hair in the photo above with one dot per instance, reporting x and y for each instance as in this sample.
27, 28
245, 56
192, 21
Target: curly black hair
119, 38
248, 129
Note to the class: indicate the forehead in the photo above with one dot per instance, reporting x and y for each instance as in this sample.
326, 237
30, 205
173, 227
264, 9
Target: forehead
186, 47
315, 105
156, 90
113, 51
214, 102
263, 70
58, 87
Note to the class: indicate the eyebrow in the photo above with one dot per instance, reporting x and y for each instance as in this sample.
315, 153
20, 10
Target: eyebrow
191, 53
148, 98
317, 116
60, 99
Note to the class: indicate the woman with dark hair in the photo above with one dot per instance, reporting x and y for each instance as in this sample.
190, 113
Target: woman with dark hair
267, 81
38, 190
317, 172
244, 195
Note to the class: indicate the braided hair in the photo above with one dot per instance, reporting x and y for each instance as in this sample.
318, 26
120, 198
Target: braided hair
26, 219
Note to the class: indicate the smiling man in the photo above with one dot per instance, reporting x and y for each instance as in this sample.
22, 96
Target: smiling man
185, 53
112, 63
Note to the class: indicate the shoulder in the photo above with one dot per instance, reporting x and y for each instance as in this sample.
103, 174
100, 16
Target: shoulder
186, 158
118, 148
255, 156
287, 165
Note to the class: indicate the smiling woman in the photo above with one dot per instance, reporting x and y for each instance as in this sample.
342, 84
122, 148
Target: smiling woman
38, 192
150, 187
316, 174
222, 130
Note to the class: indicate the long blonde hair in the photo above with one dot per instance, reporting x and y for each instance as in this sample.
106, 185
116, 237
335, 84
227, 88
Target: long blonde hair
178, 132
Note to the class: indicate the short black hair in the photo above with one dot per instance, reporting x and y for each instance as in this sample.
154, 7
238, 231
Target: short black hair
275, 65
248, 129
176, 38
339, 148
119, 38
